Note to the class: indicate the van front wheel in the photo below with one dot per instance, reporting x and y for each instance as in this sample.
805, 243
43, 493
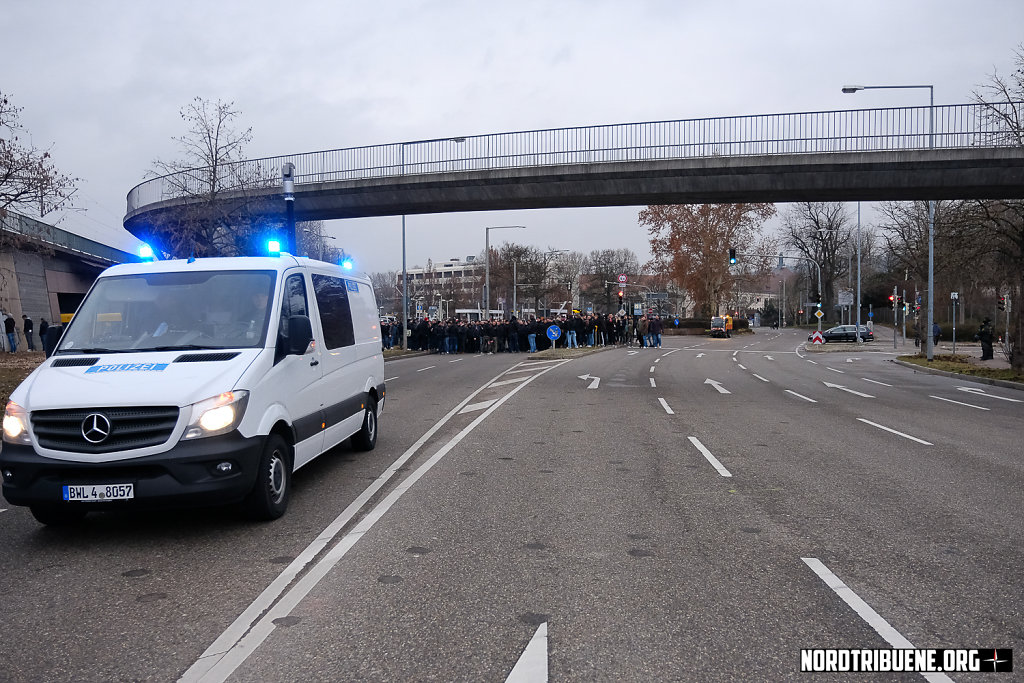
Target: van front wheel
269, 497
366, 438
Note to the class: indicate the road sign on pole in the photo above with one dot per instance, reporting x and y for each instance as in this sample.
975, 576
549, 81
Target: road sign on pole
622, 278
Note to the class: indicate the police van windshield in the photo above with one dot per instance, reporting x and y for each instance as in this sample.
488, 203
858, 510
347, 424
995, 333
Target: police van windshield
173, 311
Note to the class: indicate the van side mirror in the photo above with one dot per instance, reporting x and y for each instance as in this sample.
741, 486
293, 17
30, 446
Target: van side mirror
300, 334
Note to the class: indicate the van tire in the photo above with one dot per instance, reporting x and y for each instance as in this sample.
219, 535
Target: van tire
366, 438
57, 515
269, 496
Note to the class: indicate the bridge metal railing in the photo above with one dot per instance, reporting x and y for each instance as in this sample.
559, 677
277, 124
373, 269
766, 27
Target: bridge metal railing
954, 126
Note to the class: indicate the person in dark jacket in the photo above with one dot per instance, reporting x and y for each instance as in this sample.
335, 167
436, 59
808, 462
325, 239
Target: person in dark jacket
513, 335
27, 329
12, 336
985, 336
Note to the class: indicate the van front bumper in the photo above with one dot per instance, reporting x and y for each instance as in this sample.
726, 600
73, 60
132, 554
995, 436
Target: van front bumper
184, 476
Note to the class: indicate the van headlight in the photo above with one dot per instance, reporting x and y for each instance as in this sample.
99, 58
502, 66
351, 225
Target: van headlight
217, 415
16, 424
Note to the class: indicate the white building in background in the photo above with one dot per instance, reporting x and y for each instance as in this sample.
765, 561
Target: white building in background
441, 287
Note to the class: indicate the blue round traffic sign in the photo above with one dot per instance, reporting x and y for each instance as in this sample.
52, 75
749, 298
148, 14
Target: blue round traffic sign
871, 314
554, 332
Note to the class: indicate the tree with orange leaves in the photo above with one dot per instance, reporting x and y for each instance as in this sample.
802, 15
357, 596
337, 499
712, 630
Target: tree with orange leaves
690, 243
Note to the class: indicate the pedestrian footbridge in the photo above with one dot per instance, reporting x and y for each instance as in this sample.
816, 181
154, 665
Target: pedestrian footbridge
910, 153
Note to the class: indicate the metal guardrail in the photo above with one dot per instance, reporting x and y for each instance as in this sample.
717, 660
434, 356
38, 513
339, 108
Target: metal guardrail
955, 126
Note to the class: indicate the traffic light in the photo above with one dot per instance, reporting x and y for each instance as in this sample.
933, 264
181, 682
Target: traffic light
732, 256
1002, 303
620, 298
817, 300
892, 298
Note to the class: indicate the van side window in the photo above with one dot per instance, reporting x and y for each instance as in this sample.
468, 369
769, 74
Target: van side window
335, 314
294, 300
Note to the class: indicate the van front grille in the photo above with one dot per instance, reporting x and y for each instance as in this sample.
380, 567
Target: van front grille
104, 430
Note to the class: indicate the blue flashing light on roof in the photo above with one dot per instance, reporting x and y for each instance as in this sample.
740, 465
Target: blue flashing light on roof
347, 264
146, 252
274, 247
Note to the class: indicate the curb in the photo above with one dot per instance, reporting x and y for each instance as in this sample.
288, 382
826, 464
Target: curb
1005, 384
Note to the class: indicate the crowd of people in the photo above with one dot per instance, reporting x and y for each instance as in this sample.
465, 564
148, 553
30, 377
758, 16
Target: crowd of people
525, 336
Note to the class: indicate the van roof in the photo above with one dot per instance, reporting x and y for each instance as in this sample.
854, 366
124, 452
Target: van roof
275, 263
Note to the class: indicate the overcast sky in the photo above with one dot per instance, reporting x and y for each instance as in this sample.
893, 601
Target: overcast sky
102, 83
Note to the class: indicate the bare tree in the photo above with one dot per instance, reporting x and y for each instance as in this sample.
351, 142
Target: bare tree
1003, 221
690, 243
312, 241
221, 215
820, 231
604, 266
29, 182
385, 287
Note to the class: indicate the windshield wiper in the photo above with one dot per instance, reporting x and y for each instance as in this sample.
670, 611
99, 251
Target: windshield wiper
93, 350
181, 347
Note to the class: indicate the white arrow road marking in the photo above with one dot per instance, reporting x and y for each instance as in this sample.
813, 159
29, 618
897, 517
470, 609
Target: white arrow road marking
652, 383
532, 666
699, 355
759, 377
711, 459
865, 612
769, 358
718, 386
849, 391
593, 385
982, 392
969, 405
511, 381
809, 400
841, 372
875, 382
473, 407
905, 436
632, 353
664, 405
426, 368
741, 366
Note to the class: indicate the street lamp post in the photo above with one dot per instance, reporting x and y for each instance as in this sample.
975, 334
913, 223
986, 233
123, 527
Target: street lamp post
849, 89
487, 263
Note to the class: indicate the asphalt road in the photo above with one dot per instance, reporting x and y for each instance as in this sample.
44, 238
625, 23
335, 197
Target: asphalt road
683, 513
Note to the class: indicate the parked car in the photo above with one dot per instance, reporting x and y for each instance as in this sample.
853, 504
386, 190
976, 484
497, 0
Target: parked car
845, 333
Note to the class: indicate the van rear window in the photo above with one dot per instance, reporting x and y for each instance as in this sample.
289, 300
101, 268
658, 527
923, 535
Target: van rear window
335, 313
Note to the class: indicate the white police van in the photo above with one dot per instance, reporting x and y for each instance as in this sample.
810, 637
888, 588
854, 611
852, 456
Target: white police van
196, 383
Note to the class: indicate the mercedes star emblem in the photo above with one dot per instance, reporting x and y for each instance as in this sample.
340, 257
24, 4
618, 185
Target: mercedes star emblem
96, 427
